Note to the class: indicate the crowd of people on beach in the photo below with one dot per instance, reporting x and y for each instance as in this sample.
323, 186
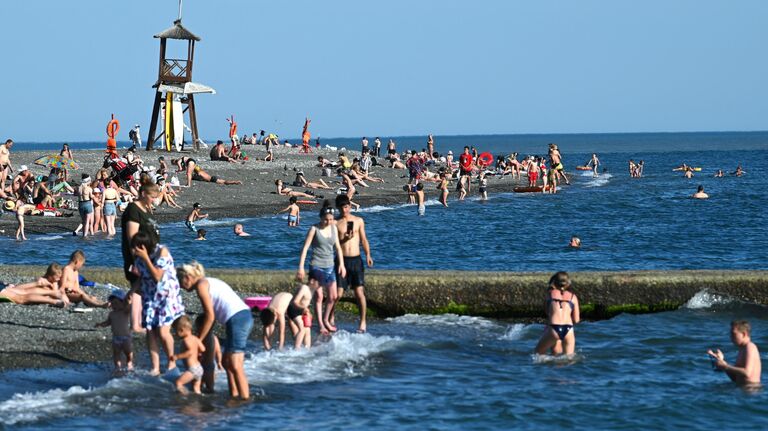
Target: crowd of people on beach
153, 305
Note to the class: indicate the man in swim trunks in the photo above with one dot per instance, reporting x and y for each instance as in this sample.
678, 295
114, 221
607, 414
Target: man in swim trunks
556, 162
5, 164
748, 367
351, 236
465, 168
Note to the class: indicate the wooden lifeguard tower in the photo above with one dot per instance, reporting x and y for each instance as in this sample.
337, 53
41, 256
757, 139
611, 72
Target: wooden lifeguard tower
175, 89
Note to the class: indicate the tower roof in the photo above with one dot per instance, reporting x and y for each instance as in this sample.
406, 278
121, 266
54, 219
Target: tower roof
177, 32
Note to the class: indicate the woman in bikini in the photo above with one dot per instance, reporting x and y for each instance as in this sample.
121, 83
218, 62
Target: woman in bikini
562, 308
302, 182
195, 172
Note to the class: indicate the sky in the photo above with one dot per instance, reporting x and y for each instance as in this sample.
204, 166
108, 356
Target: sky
391, 68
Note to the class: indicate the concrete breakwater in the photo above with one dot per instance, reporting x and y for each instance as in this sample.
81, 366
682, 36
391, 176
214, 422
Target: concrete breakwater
495, 294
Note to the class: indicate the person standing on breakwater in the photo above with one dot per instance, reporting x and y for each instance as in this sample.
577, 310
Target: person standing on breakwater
220, 303
465, 170
594, 162
137, 217
161, 299
85, 205
748, 367
351, 237
562, 308
556, 163
5, 164
324, 240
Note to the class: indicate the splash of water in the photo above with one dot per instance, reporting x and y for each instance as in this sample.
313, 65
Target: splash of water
705, 299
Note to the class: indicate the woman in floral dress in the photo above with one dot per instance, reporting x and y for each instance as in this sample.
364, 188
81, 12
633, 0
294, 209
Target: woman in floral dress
161, 301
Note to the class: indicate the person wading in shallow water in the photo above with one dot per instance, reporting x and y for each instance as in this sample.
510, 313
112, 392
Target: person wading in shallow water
351, 236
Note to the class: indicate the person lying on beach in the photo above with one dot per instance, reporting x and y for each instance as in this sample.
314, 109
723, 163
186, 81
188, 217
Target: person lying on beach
238, 230
353, 176
275, 312
119, 320
363, 175
219, 153
193, 171
562, 308
700, 193
70, 282
347, 183
44, 290
194, 216
302, 182
193, 347
294, 212
747, 369
395, 163
286, 191
322, 162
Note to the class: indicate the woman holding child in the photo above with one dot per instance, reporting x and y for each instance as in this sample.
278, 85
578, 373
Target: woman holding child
222, 304
160, 295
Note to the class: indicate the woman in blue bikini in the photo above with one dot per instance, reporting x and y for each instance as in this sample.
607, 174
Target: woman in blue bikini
562, 308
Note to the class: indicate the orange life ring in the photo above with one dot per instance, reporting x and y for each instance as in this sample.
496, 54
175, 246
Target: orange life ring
113, 127
485, 159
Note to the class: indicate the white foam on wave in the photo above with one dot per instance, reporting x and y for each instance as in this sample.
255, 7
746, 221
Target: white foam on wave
344, 356
48, 237
516, 332
380, 208
557, 360
117, 394
705, 299
444, 320
598, 181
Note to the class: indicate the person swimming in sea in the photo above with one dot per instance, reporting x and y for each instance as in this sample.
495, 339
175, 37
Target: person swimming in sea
562, 308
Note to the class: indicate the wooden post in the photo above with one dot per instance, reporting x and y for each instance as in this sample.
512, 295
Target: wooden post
193, 121
153, 121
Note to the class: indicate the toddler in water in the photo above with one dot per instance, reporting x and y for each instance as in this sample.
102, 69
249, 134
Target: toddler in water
293, 212
201, 235
211, 357
119, 319
192, 349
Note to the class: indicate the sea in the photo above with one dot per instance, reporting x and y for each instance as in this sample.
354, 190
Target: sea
461, 372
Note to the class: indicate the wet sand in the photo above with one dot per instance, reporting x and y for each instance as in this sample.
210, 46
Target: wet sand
255, 197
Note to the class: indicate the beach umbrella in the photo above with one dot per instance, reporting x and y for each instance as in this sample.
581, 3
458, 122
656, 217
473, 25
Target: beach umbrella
57, 161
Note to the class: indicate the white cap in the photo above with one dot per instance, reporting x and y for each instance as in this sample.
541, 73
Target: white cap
23, 168
136, 125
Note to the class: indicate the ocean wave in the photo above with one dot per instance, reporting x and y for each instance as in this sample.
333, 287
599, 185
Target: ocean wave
444, 320
705, 299
47, 237
598, 181
344, 356
516, 332
557, 360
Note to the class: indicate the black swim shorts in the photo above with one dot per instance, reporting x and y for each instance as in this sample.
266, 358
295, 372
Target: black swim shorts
294, 311
355, 273
214, 178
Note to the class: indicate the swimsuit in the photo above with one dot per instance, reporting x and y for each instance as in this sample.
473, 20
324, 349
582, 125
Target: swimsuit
121, 341
190, 225
197, 371
292, 218
561, 330
355, 276
294, 311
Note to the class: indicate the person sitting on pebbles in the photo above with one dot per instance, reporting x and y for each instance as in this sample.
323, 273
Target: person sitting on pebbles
45, 290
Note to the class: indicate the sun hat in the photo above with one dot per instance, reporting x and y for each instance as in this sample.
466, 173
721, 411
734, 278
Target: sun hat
23, 168
9, 205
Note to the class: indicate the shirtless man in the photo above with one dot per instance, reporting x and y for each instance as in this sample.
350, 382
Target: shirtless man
430, 146
556, 162
420, 199
70, 282
218, 152
700, 193
5, 164
594, 162
238, 230
748, 367
85, 205
351, 236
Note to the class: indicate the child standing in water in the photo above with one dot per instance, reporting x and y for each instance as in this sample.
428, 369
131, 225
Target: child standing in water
192, 348
211, 359
420, 198
193, 216
119, 319
562, 308
293, 212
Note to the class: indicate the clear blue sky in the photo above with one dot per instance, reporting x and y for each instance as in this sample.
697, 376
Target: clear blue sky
397, 67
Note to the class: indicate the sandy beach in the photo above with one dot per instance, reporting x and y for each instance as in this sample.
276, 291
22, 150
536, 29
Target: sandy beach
255, 197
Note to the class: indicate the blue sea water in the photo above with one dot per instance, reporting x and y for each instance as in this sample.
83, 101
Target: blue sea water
459, 372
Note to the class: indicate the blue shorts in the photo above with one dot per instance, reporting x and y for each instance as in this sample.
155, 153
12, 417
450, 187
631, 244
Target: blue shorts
85, 208
324, 276
190, 225
293, 218
110, 209
238, 328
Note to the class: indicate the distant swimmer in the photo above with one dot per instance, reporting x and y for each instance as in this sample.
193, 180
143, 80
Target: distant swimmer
719, 174
594, 162
575, 242
748, 368
238, 230
700, 193
738, 172
688, 172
